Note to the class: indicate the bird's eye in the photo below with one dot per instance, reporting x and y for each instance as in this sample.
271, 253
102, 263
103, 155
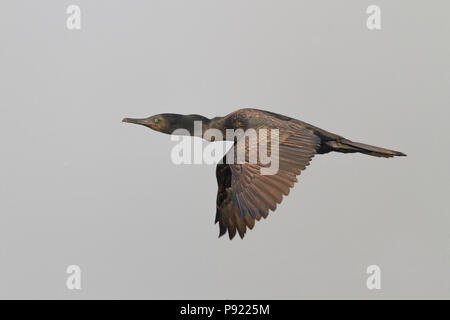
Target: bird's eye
156, 120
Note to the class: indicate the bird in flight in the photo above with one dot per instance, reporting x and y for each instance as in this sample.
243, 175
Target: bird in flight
244, 194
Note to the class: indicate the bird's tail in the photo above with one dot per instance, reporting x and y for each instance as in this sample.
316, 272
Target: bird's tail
348, 146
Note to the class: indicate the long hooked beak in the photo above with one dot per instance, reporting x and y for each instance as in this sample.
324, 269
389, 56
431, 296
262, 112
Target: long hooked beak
135, 121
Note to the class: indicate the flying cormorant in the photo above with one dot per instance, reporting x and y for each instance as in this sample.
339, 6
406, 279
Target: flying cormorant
244, 194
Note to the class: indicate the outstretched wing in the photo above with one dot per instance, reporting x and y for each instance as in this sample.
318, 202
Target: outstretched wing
245, 194
227, 215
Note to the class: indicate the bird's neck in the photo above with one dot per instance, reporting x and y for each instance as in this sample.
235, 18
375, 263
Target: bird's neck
216, 127
195, 124
200, 126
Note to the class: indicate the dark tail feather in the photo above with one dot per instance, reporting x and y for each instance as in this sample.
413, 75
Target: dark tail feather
347, 146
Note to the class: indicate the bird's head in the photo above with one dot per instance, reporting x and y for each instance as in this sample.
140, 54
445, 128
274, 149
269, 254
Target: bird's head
169, 122
159, 122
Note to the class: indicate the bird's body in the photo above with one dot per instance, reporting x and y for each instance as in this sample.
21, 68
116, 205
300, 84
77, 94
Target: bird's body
244, 194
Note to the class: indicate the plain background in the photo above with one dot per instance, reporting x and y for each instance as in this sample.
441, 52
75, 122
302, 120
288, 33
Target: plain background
77, 186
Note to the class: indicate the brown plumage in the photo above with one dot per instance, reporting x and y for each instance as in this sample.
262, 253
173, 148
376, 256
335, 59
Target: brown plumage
244, 194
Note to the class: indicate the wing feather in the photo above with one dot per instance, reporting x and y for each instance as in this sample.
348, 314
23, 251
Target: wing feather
245, 195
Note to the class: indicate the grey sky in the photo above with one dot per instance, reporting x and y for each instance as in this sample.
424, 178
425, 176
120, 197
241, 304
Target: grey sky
80, 187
